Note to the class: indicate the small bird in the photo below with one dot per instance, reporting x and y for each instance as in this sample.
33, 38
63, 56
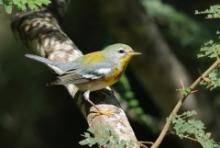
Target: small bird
93, 71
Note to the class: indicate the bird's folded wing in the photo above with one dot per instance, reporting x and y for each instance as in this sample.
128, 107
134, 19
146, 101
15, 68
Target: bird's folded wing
86, 74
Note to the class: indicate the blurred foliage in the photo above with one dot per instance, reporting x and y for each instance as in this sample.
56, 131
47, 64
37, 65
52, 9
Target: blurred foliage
134, 105
175, 20
107, 138
23, 4
186, 127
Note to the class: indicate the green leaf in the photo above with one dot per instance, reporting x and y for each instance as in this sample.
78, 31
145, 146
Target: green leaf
23, 4
210, 49
211, 13
213, 80
187, 127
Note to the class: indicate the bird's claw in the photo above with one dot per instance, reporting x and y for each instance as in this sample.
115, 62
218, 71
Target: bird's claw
106, 113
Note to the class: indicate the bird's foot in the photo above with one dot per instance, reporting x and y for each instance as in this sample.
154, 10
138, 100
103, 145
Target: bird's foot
98, 112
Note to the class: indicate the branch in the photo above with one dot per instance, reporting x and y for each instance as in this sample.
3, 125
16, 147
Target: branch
180, 103
40, 32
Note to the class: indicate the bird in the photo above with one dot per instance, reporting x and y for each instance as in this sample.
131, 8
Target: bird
92, 71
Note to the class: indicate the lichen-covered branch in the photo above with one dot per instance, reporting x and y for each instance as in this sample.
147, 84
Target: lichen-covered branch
41, 33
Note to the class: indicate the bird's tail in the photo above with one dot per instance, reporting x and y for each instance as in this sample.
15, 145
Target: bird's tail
45, 61
56, 82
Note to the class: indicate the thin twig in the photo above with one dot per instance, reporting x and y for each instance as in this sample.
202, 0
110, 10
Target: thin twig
179, 104
143, 144
186, 137
190, 138
146, 142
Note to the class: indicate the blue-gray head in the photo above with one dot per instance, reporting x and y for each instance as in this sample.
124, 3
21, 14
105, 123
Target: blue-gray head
120, 52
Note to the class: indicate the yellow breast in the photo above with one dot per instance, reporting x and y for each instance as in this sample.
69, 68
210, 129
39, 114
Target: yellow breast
110, 80
116, 74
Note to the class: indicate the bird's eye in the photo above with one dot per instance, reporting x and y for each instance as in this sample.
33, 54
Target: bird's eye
121, 51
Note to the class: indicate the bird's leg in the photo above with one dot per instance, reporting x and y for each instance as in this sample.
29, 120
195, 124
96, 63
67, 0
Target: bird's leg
110, 90
87, 98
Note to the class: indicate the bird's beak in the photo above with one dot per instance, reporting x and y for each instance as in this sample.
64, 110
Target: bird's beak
135, 53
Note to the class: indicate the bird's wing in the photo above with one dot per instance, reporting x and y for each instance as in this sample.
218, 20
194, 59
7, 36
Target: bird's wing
86, 73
